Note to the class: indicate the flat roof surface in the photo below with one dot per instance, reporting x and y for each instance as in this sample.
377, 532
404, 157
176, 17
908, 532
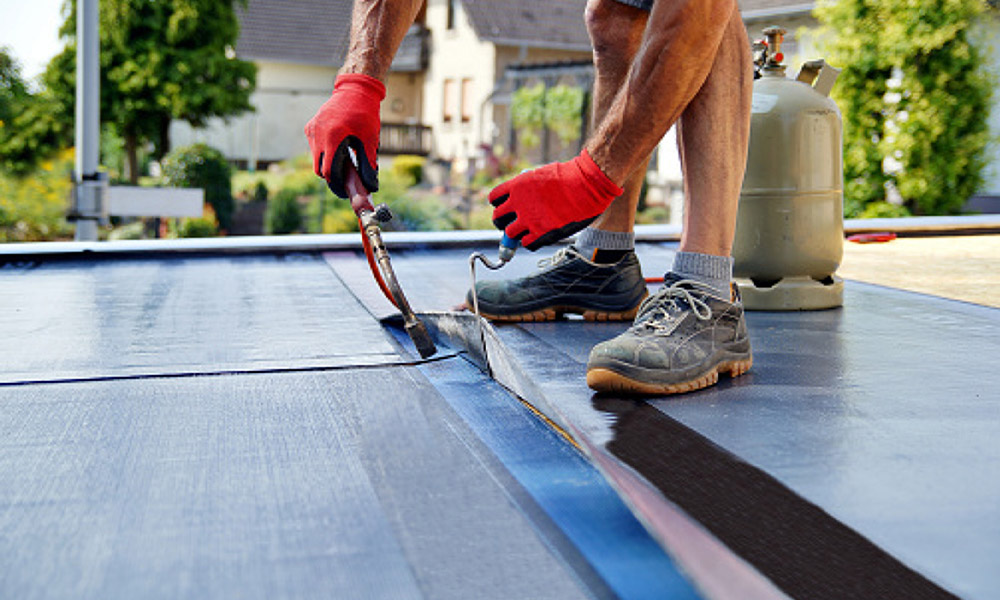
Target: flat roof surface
240, 426
958, 267
244, 425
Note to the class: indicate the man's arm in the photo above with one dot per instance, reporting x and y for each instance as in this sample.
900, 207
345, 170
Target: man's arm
678, 49
377, 29
677, 52
349, 120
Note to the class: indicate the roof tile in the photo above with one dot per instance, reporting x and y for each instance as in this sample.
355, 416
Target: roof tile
551, 23
306, 31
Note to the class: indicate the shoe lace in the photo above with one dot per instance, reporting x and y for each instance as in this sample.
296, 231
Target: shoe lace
659, 311
555, 259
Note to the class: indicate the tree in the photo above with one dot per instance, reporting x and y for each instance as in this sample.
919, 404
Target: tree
13, 90
201, 166
284, 215
163, 60
915, 98
32, 126
557, 108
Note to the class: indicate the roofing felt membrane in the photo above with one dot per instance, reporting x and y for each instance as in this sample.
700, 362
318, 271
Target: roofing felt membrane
219, 425
222, 426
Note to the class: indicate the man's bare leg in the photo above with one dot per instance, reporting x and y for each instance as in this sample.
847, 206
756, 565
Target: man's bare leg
692, 330
674, 58
616, 32
713, 133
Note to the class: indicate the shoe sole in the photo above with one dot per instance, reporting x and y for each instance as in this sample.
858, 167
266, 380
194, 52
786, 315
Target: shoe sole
557, 312
606, 380
554, 313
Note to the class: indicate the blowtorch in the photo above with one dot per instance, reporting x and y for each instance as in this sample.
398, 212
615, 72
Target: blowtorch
369, 218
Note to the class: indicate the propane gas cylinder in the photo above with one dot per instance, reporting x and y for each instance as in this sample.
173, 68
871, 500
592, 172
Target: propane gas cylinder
790, 227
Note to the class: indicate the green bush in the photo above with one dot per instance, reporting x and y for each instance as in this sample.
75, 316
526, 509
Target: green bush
321, 207
284, 215
427, 213
407, 166
304, 183
884, 210
260, 192
33, 207
132, 231
198, 228
557, 108
915, 89
201, 166
302, 162
341, 220
654, 215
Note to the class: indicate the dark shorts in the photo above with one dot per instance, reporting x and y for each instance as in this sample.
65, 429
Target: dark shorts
643, 4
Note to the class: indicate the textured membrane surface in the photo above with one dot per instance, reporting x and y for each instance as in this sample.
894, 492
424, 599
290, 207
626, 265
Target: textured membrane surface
858, 456
241, 427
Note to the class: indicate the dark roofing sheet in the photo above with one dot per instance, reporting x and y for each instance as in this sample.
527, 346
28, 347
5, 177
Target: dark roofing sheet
856, 459
346, 484
86, 319
242, 427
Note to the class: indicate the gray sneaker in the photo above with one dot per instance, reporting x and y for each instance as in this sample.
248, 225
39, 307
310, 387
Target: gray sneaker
683, 337
566, 283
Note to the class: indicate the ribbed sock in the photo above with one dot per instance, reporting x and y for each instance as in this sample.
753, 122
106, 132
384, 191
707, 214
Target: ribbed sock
714, 271
604, 247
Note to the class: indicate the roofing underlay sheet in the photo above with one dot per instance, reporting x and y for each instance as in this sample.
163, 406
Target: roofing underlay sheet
254, 425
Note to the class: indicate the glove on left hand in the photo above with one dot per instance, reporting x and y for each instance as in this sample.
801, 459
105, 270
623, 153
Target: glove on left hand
349, 118
546, 204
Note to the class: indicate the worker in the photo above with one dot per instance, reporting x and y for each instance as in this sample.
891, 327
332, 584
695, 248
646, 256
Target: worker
657, 63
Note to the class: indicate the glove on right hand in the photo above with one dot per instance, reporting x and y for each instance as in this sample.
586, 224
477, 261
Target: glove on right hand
546, 204
349, 118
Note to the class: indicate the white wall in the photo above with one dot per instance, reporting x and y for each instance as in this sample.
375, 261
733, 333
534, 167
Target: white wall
988, 39
287, 96
456, 54
403, 99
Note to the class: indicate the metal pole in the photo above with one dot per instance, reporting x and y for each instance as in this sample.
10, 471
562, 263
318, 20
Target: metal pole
88, 189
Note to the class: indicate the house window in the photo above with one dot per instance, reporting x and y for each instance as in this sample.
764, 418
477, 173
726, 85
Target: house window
449, 100
452, 9
466, 100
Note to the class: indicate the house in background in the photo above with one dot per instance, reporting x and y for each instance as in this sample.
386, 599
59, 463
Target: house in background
450, 86
439, 90
298, 47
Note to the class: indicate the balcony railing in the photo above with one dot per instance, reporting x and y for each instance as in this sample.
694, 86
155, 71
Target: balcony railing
405, 138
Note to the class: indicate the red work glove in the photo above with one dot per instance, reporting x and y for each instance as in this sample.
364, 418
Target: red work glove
349, 118
549, 203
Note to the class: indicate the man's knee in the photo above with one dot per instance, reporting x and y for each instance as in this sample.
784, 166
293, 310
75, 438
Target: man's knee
615, 29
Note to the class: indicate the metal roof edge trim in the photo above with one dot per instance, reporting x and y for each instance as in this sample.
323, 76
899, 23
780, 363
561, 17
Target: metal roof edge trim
912, 226
959, 224
289, 243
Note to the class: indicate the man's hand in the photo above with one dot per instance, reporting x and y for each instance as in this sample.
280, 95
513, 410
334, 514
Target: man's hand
549, 203
349, 118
